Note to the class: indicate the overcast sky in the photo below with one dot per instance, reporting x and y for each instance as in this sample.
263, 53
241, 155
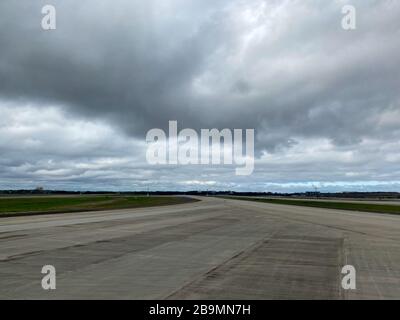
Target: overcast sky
76, 102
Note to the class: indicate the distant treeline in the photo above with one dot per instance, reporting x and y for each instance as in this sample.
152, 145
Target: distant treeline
378, 195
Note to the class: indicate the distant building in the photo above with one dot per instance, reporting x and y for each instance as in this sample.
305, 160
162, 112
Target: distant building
312, 193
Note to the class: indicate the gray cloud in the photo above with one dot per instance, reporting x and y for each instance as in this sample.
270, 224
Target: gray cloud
285, 68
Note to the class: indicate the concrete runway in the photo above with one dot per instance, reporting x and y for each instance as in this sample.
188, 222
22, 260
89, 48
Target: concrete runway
213, 249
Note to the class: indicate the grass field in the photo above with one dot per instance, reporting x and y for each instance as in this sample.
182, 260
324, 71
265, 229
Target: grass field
365, 207
42, 204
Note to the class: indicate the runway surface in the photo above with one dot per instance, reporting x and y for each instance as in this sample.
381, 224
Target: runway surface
212, 249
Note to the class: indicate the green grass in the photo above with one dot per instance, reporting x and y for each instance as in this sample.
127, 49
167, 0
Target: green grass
365, 207
50, 204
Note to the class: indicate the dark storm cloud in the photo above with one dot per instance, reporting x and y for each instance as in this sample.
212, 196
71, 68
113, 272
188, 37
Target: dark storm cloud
138, 63
124, 61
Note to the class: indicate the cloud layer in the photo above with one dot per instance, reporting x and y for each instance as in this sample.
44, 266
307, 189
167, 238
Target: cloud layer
76, 102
